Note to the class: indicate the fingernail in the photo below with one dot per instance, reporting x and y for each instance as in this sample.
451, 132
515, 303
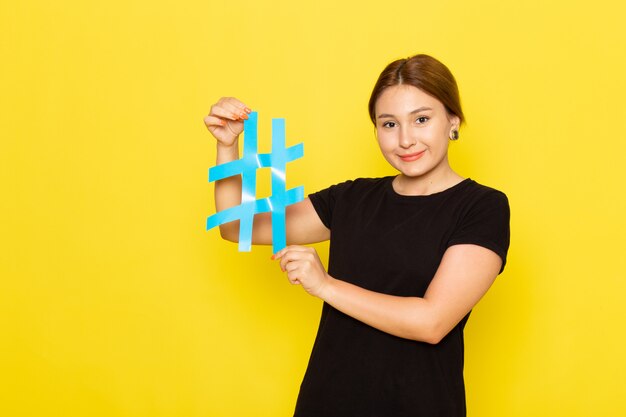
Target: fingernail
248, 110
272, 257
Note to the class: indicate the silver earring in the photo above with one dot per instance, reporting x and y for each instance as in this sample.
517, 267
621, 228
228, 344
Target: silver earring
454, 135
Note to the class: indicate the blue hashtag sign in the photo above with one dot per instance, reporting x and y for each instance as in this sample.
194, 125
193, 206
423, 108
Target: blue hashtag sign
247, 167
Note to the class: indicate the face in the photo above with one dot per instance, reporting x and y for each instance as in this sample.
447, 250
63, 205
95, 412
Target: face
413, 130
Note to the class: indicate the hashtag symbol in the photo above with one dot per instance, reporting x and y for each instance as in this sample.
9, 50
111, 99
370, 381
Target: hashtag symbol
247, 167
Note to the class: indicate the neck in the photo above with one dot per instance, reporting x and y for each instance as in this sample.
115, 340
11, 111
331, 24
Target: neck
405, 185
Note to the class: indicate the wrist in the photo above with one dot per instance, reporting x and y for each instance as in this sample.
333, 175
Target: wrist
226, 153
328, 288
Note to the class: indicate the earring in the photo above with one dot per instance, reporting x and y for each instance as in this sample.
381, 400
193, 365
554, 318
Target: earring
454, 135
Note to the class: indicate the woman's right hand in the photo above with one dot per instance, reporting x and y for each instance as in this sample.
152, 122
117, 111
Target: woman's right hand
303, 225
225, 120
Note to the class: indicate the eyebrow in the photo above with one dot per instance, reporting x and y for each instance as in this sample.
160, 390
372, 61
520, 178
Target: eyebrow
421, 109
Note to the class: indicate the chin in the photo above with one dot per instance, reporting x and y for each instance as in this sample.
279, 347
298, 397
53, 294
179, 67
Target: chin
414, 172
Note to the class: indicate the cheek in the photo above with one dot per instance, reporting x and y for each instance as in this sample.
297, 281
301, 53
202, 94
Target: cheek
385, 140
385, 145
437, 137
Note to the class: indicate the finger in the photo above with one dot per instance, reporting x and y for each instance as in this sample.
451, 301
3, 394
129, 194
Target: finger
290, 267
227, 112
237, 103
235, 106
288, 254
294, 277
210, 121
235, 131
290, 249
283, 263
291, 262
279, 254
289, 258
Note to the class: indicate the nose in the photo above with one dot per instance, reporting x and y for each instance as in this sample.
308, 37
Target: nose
406, 139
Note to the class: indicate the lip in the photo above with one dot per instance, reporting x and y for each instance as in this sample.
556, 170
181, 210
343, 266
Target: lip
412, 156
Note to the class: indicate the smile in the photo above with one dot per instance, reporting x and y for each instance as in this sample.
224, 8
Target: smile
412, 157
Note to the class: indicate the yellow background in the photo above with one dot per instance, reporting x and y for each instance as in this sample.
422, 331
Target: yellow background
114, 300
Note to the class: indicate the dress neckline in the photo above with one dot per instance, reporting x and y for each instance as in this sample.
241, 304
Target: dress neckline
395, 194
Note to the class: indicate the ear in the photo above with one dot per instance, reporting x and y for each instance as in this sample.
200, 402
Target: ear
455, 121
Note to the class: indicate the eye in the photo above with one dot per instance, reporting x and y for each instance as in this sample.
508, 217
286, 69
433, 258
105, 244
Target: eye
421, 120
389, 124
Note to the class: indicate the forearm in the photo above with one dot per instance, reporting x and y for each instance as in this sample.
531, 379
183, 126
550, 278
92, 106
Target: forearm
407, 317
228, 190
465, 274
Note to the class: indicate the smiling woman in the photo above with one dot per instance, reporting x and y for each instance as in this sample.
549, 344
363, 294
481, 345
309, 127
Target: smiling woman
410, 255
412, 125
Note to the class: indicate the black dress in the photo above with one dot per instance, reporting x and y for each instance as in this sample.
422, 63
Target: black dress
393, 244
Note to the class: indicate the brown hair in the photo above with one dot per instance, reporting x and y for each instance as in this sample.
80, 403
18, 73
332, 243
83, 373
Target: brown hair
427, 74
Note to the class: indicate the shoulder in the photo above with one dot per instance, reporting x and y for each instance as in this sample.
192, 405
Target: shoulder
474, 193
477, 188
479, 205
356, 186
346, 196
482, 218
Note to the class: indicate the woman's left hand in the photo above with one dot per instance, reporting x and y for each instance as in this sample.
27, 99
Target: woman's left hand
303, 267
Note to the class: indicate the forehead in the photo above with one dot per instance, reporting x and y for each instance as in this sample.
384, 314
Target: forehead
401, 99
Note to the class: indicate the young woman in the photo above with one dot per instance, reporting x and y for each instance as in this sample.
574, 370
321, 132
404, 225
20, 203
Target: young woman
410, 255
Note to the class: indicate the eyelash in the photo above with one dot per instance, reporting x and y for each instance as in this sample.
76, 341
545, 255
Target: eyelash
386, 124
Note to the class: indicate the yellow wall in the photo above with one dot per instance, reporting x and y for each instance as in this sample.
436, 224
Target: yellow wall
114, 301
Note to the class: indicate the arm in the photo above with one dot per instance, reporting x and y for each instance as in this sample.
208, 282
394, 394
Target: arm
225, 122
465, 274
